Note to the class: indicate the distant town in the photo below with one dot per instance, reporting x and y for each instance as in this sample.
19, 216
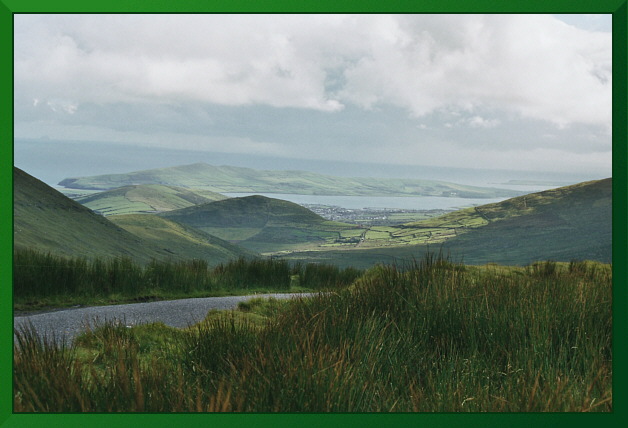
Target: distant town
373, 216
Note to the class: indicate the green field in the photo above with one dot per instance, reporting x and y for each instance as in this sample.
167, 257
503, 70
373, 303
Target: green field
146, 198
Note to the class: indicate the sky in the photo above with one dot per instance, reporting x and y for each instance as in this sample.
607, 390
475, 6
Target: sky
514, 92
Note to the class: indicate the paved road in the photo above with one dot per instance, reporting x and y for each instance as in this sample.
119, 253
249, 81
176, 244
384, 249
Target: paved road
66, 324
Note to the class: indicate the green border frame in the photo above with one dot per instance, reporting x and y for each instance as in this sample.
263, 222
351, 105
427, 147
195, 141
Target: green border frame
619, 9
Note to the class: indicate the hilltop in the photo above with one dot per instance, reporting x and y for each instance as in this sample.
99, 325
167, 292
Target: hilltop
144, 198
230, 179
48, 221
260, 223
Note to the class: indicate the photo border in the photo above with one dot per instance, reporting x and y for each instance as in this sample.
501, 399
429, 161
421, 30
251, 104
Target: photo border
620, 214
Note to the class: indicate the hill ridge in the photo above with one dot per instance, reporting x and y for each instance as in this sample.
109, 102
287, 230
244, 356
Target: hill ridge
144, 198
259, 223
232, 179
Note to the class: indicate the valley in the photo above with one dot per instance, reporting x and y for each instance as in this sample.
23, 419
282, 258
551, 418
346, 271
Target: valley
570, 222
399, 301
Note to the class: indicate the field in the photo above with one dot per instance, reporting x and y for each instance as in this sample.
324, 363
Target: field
431, 336
145, 198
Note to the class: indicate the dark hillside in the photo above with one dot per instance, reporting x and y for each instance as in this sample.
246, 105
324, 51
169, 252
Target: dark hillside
180, 239
46, 220
250, 211
573, 222
259, 223
563, 224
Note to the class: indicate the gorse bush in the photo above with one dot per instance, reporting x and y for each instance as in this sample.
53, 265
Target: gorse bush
431, 336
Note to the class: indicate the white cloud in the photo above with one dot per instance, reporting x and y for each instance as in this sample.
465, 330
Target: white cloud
534, 65
437, 89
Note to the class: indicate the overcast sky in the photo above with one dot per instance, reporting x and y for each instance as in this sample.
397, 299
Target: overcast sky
521, 92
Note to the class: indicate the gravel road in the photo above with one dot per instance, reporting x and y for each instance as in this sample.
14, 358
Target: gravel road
66, 324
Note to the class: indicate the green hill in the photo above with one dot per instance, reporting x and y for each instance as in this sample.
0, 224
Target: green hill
261, 224
146, 198
572, 222
224, 179
46, 220
179, 239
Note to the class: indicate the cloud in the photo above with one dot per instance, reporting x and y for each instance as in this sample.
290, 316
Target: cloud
534, 65
409, 89
480, 122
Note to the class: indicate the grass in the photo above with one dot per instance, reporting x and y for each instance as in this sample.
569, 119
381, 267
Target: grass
47, 220
429, 336
42, 280
145, 198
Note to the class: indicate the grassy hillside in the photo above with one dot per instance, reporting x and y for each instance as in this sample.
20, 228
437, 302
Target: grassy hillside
48, 221
572, 222
245, 180
146, 198
262, 224
179, 239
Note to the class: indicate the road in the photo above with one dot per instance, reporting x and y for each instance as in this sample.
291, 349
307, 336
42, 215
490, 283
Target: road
67, 324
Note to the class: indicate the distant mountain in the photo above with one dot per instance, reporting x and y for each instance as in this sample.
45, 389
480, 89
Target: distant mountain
229, 179
46, 220
145, 198
260, 223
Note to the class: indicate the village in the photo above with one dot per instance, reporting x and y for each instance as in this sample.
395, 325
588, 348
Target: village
373, 216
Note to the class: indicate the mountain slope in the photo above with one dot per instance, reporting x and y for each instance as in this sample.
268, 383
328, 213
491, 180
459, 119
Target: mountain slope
224, 179
46, 220
146, 198
178, 239
573, 222
260, 223
563, 224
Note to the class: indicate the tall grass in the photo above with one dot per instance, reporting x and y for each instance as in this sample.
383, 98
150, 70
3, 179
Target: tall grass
428, 337
39, 275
